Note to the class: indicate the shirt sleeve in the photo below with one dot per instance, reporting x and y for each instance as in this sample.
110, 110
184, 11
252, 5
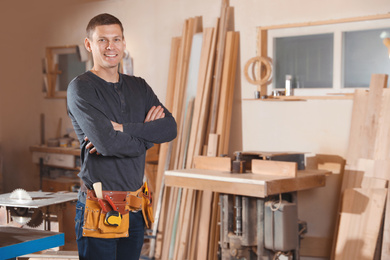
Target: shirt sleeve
157, 131
86, 109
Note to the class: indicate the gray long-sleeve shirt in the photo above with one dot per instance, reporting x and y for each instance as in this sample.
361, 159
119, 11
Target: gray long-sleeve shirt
92, 104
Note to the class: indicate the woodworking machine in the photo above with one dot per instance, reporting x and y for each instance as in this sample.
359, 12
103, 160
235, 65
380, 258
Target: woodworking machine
33, 208
243, 216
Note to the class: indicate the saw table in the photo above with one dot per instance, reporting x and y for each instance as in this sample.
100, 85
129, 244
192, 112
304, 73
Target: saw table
245, 195
45, 202
15, 241
33, 208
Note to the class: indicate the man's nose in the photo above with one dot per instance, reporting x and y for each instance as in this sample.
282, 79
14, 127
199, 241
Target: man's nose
109, 45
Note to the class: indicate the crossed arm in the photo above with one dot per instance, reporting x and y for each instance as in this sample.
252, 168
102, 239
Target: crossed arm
153, 114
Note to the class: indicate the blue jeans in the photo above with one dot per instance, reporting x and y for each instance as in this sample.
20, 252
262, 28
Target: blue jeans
127, 248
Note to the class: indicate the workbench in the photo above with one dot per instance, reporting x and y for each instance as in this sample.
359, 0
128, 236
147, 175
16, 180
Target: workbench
256, 186
16, 242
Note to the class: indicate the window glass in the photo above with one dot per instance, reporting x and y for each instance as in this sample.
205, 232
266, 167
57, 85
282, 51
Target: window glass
309, 59
70, 67
364, 54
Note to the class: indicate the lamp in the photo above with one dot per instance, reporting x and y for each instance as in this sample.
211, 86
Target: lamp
386, 40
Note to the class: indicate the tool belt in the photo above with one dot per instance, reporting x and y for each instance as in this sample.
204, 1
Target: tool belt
121, 202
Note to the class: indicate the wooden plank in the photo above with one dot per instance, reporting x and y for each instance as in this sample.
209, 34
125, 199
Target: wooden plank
197, 226
176, 233
220, 51
214, 232
382, 142
224, 147
385, 254
161, 228
213, 163
163, 153
179, 88
360, 100
365, 120
190, 93
185, 136
184, 243
224, 91
262, 51
274, 168
167, 228
204, 226
360, 220
212, 146
201, 88
370, 127
201, 135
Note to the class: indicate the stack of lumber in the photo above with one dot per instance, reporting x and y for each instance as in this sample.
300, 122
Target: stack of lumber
200, 90
363, 214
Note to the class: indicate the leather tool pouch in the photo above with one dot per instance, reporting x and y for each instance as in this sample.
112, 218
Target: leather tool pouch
147, 209
95, 215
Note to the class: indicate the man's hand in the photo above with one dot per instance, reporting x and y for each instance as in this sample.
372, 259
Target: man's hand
91, 147
117, 127
154, 114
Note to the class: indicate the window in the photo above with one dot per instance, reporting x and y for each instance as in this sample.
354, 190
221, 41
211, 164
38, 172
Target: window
309, 59
364, 54
329, 57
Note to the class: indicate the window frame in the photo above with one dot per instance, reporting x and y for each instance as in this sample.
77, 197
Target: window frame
267, 35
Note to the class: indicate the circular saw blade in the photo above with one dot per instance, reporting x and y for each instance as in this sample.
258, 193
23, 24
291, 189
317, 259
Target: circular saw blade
36, 218
20, 195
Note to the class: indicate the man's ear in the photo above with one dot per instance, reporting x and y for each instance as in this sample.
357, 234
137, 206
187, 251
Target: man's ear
87, 44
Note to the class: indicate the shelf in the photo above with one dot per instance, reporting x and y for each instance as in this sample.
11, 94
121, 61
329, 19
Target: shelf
303, 98
60, 150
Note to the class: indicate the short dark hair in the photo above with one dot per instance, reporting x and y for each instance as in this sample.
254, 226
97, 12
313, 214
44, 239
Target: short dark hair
102, 19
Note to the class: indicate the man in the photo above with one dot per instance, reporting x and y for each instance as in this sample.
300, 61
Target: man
116, 117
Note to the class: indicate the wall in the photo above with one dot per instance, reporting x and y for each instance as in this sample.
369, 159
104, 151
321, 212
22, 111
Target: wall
30, 26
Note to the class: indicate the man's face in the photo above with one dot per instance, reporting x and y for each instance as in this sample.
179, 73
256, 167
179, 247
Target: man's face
107, 46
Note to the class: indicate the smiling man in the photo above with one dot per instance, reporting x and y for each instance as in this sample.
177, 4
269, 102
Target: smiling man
116, 117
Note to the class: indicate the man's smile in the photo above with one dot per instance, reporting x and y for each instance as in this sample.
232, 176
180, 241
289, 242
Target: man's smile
111, 55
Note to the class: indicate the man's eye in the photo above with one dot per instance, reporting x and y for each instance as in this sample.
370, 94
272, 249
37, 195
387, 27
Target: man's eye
101, 40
